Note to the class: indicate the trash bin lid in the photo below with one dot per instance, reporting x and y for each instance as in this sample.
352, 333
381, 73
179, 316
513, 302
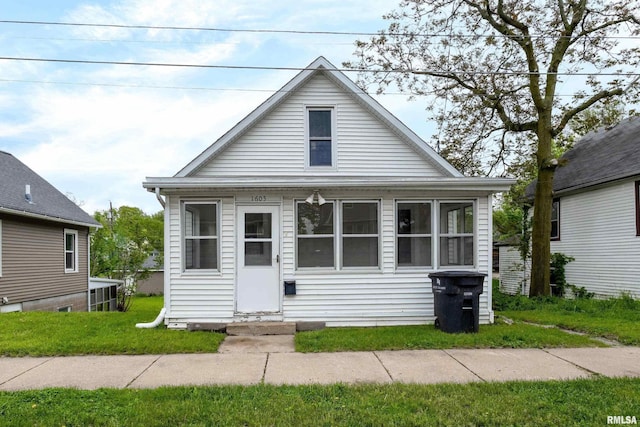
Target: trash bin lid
457, 273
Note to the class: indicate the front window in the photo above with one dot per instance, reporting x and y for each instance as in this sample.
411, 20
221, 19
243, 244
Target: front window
70, 251
200, 230
637, 208
555, 220
413, 234
360, 234
316, 235
320, 137
456, 234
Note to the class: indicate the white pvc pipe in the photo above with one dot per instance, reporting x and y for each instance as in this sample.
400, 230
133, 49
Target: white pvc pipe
155, 323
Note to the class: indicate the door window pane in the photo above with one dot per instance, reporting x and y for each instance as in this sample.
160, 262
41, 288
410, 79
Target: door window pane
257, 253
257, 226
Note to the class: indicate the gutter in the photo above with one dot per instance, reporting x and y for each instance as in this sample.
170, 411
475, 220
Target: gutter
48, 218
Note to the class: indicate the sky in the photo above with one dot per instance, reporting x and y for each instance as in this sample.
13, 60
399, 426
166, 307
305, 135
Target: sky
97, 131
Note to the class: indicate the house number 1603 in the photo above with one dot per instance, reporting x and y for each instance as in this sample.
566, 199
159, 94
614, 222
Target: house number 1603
259, 198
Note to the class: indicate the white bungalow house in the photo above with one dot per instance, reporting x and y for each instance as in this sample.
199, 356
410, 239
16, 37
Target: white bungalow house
323, 193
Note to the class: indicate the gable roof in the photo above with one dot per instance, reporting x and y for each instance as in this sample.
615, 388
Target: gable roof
47, 202
321, 65
608, 154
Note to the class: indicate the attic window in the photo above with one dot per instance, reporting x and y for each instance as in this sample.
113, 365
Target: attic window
555, 220
320, 137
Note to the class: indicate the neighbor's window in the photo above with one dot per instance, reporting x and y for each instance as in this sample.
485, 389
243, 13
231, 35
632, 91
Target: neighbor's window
360, 234
320, 136
316, 235
70, 251
637, 212
456, 233
104, 299
200, 231
555, 220
413, 234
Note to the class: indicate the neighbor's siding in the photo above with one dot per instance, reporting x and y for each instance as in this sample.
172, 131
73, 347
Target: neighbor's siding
33, 260
383, 297
598, 229
512, 273
276, 145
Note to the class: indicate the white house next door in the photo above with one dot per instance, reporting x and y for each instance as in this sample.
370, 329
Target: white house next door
258, 271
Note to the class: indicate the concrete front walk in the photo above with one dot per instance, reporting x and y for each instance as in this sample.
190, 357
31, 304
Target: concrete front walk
415, 366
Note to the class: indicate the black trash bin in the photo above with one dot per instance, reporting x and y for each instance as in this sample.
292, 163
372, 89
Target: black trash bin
456, 297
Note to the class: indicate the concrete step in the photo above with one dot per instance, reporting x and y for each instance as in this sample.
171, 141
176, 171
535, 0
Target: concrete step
261, 328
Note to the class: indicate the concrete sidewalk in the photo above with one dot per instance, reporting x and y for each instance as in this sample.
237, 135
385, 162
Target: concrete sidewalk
416, 366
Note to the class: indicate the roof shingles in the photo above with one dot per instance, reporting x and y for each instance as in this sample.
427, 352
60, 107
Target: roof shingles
47, 201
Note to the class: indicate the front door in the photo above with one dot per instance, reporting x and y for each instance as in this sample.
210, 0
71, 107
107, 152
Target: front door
258, 281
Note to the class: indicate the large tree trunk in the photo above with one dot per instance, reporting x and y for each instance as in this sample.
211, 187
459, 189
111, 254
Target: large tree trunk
541, 227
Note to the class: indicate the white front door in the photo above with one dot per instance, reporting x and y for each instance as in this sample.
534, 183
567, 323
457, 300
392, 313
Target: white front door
258, 249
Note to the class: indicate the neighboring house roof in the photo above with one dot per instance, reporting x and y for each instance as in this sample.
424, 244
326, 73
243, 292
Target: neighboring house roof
606, 155
46, 201
321, 65
151, 262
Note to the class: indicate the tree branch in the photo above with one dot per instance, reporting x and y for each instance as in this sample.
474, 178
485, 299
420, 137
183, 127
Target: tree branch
569, 114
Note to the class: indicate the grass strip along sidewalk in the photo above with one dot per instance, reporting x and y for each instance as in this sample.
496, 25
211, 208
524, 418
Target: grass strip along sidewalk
579, 402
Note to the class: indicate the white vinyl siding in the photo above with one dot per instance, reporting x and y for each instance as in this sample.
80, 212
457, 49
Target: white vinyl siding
276, 145
384, 296
599, 231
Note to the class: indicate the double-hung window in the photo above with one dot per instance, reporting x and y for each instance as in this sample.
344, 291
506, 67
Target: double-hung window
200, 232
316, 235
320, 137
70, 251
637, 191
360, 234
413, 234
555, 220
456, 233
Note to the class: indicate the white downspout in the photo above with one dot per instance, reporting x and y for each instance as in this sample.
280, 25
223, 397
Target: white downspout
160, 316
155, 323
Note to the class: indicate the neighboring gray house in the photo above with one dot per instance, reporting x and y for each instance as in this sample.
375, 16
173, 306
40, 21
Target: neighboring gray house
320, 205
154, 284
596, 210
44, 243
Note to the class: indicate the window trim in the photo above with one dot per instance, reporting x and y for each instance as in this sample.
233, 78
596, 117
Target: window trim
183, 237
378, 235
298, 202
432, 205
473, 235
307, 138
555, 238
74, 251
637, 190
0, 248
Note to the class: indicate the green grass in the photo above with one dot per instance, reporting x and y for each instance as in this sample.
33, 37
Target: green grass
53, 334
579, 402
499, 335
615, 318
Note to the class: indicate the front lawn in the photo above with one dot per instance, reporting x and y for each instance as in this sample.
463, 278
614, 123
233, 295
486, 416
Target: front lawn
64, 334
616, 318
499, 335
579, 402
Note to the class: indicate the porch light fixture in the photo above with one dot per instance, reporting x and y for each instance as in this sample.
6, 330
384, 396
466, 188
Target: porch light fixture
315, 195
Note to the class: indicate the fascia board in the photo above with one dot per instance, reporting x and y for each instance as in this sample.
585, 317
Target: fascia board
282, 183
48, 218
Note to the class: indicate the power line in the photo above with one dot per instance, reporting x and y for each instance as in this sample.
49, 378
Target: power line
272, 31
199, 88
281, 68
